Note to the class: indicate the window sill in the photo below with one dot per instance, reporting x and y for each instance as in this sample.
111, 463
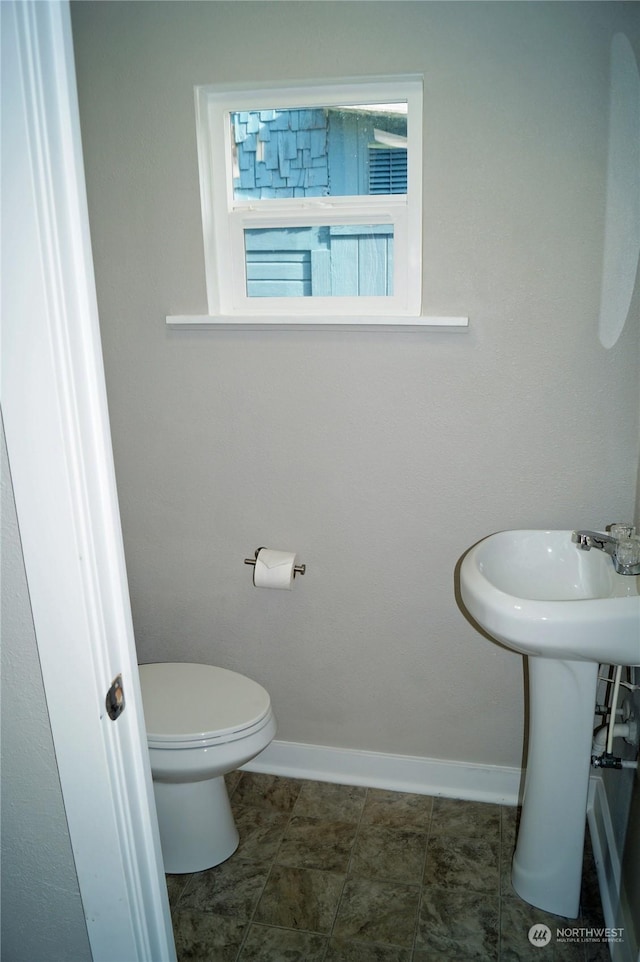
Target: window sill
354, 323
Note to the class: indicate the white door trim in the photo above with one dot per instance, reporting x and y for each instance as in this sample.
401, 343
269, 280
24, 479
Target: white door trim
56, 423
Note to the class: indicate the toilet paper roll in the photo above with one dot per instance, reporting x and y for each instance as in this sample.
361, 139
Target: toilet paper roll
274, 569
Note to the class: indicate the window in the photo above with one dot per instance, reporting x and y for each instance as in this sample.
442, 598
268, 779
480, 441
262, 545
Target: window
312, 198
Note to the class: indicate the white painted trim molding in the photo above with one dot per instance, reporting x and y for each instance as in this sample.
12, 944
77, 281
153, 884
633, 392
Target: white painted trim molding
400, 773
386, 325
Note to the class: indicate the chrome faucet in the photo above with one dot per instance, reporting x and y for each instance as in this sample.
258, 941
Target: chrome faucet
586, 540
620, 544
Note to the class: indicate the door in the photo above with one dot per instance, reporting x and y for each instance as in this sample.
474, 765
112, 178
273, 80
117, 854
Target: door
55, 415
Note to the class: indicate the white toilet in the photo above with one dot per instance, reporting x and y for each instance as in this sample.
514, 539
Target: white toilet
202, 722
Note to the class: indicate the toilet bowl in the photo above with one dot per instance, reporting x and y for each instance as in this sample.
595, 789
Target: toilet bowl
202, 722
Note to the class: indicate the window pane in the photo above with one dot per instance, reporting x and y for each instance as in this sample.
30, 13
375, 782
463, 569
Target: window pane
316, 151
346, 260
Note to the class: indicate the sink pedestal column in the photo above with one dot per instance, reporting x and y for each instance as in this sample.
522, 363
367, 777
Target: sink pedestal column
547, 865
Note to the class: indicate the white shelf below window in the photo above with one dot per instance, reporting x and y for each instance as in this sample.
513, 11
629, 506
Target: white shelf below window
310, 323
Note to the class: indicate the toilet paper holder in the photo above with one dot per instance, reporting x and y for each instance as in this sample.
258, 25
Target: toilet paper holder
297, 569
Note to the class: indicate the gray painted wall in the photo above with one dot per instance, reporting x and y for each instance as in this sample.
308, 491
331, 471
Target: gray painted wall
42, 914
379, 458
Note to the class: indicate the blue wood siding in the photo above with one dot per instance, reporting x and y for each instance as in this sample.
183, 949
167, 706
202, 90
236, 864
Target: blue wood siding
279, 274
339, 261
281, 153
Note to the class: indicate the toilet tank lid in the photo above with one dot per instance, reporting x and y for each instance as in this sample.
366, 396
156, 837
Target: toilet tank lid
183, 701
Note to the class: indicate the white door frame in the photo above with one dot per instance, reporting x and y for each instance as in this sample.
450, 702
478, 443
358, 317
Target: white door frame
57, 431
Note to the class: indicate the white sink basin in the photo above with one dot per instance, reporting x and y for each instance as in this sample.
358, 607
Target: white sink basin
540, 594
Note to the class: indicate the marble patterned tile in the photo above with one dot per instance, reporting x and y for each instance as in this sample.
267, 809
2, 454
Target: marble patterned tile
457, 924
286, 885
401, 810
509, 822
590, 900
317, 843
327, 800
230, 889
261, 832
597, 952
204, 937
372, 911
300, 898
269, 792
506, 860
232, 781
176, 885
453, 816
472, 864
575, 952
516, 920
267, 944
391, 854
341, 950
426, 955
506, 886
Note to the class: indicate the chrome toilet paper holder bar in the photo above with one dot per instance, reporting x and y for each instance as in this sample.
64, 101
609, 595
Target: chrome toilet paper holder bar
297, 569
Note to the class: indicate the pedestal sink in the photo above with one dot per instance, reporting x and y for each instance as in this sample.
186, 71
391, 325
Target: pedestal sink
568, 610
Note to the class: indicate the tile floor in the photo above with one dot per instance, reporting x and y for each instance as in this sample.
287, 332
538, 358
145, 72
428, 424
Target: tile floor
336, 873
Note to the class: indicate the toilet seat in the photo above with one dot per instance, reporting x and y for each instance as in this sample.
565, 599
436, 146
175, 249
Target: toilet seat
199, 706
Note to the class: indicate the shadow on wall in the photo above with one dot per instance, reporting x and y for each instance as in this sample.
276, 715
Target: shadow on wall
622, 217
525, 667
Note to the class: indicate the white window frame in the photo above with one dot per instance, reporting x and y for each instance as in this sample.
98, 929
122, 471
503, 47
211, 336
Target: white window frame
225, 219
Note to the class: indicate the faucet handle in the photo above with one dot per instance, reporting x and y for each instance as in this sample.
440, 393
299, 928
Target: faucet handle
627, 556
621, 531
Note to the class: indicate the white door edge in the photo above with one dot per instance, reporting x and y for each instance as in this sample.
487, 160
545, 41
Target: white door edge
56, 423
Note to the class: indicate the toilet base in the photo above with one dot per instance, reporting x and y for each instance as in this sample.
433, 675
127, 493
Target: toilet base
197, 830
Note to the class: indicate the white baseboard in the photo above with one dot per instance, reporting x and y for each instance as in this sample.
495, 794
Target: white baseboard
402, 773
607, 859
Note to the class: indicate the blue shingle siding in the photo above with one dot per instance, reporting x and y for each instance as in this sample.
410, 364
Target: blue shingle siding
316, 177
271, 154
303, 139
288, 144
263, 176
292, 154
319, 143
246, 159
248, 175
